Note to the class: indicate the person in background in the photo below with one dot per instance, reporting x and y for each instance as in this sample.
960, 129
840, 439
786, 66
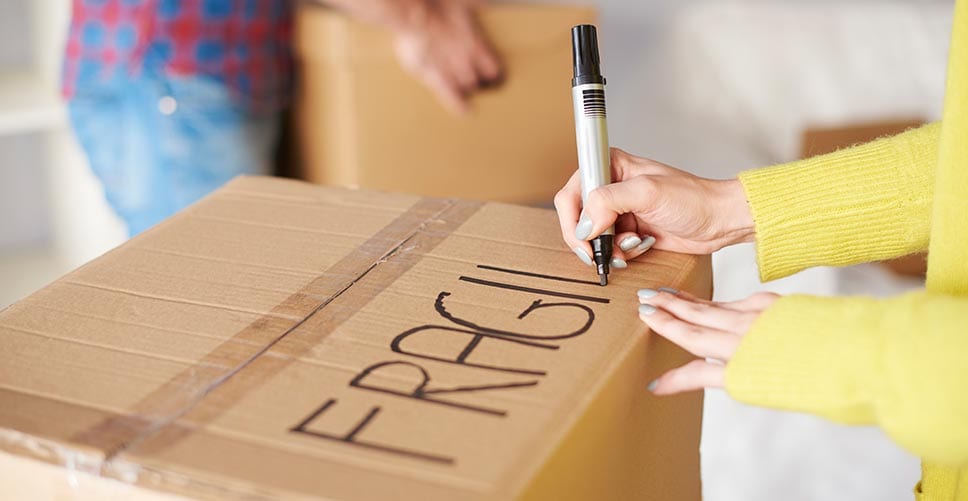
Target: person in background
895, 362
169, 99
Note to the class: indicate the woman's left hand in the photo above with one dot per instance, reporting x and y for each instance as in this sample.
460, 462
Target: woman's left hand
707, 329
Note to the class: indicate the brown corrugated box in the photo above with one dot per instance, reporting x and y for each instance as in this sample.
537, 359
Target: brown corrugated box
280, 340
364, 122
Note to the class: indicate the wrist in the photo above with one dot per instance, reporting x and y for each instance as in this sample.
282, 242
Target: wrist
736, 221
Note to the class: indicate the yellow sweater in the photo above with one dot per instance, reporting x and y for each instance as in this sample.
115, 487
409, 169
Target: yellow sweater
900, 363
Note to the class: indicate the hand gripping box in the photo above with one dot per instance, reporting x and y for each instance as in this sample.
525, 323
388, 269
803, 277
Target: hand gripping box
281, 340
363, 121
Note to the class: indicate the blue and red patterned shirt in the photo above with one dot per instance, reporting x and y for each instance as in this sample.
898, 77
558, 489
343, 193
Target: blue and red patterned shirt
244, 44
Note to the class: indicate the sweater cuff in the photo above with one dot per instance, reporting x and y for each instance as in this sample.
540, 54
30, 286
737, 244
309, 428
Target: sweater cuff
810, 354
860, 204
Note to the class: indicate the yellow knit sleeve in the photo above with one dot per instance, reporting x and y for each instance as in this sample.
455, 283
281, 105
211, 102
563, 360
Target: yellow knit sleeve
860, 204
899, 363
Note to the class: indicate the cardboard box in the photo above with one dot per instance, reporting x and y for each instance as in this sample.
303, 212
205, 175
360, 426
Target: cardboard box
285, 340
364, 122
822, 140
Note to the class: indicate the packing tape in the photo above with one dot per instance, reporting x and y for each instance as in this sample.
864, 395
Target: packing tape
235, 368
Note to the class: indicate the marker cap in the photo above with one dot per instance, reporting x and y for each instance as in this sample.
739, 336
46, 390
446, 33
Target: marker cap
584, 54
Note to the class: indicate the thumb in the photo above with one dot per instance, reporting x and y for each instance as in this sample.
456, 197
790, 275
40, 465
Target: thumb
606, 203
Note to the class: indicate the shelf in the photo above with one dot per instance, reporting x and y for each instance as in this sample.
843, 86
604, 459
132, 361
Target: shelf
28, 104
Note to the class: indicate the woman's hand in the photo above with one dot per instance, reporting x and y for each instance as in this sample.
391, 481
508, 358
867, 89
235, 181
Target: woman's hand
706, 329
649, 202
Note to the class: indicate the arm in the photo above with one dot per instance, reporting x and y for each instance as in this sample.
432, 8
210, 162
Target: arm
865, 203
439, 43
898, 363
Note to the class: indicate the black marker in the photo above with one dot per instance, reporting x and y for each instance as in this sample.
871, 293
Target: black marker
591, 131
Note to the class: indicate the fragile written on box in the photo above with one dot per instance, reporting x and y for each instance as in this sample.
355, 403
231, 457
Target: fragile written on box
280, 340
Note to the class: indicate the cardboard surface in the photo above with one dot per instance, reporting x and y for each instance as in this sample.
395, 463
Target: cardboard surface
364, 122
821, 140
284, 340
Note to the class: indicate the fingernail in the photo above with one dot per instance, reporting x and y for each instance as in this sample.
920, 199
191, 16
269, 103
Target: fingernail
653, 385
647, 293
619, 263
646, 244
646, 309
629, 242
584, 228
670, 290
585, 258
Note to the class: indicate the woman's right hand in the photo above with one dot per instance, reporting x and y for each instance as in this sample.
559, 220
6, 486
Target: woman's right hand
683, 212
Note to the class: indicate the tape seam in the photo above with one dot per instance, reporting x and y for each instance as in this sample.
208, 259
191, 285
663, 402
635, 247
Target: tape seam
120, 433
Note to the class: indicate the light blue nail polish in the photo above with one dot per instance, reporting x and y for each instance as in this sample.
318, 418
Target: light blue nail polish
629, 243
584, 228
653, 385
647, 293
646, 309
585, 258
670, 290
645, 245
618, 263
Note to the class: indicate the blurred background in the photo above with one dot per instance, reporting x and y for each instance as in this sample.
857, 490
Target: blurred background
713, 87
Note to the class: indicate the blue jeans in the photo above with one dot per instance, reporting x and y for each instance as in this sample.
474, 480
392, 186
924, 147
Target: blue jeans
158, 144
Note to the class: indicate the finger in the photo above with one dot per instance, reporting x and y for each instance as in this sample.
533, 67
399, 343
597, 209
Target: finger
646, 243
625, 235
626, 238
568, 206
463, 74
625, 224
624, 241
486, 64
447, 91
461, 49
690, 296
700, 313
622, 163
606, 203
755, 303
629, 244
699, 340
695, 375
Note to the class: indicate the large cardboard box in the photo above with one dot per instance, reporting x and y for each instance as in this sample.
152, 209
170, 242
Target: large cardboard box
280, 340
364, 122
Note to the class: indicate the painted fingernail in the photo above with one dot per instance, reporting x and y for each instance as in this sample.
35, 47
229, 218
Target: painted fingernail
619, 263
646, 309
647, 293
670, 290
653, 385
584, 228
646, 244
629, 242
585, 258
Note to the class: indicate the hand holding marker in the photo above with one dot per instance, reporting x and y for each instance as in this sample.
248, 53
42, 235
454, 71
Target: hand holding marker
591, 134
